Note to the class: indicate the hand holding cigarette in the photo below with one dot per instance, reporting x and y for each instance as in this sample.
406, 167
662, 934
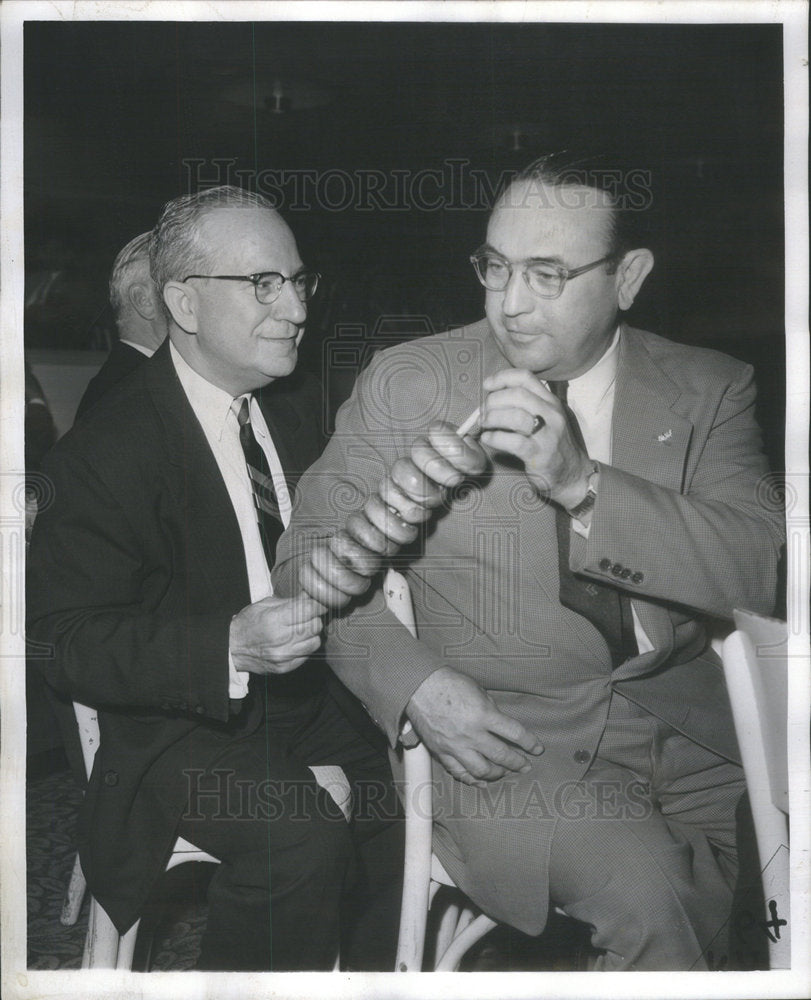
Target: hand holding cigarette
343, 566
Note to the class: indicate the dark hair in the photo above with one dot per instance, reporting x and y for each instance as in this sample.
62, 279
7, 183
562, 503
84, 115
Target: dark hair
629, 190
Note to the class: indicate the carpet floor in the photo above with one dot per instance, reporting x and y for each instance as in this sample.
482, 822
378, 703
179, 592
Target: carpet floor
176, 918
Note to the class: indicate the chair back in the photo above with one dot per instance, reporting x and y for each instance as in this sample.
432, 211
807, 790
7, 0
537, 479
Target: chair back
756, 671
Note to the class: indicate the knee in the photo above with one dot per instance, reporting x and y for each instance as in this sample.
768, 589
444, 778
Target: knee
642, 926
326, 844
317, 834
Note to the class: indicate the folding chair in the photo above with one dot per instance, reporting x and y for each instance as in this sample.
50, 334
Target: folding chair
104, 947
756, 671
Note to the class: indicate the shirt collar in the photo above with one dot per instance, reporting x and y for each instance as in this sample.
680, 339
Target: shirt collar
211, 404
148, 351
596, 382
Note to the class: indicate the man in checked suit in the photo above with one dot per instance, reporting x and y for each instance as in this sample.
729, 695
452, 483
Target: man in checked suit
139, 316
149, 576
581, 756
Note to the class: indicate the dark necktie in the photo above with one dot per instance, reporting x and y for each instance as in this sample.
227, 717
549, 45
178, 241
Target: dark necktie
607, 608
268, 515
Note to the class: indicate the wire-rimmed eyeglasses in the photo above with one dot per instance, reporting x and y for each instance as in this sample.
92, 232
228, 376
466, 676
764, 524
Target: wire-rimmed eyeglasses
268, 285
543, 277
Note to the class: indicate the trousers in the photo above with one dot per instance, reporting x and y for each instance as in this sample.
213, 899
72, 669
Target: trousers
296, 880
645, 849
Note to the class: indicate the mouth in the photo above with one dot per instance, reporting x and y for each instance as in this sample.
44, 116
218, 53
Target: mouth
520, 337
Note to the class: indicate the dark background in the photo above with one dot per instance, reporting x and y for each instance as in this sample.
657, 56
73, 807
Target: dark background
121, 116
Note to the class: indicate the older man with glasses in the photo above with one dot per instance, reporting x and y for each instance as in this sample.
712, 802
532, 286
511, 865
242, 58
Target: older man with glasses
149, 577
583, 744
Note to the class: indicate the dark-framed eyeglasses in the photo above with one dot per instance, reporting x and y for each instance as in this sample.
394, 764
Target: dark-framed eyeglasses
268, 285
544, 278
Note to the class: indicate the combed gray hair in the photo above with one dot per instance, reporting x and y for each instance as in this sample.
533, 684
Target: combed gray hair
135, 252
177, 249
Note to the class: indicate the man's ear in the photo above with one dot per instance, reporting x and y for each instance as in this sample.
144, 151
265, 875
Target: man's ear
181, 301
634, 267
142, 300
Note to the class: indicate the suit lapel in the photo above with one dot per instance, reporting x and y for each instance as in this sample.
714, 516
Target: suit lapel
212, 531
649, 440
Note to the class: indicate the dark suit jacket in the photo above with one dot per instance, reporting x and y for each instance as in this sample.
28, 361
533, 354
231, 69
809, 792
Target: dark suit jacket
120, 362
134, 573
681, 524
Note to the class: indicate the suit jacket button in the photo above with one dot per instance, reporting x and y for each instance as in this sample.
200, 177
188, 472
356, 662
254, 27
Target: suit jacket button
616, 569
581, 756
625, 573
637, 578
111, 777
605, 564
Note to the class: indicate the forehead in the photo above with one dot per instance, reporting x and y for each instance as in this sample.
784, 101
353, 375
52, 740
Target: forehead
537, 220
248, 239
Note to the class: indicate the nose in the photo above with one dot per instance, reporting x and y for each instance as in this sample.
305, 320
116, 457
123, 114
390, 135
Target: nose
289, 306
518, 299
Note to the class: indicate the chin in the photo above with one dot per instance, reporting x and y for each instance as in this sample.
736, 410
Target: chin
282, 368
528, 356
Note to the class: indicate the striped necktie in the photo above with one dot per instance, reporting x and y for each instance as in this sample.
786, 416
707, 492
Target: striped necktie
268, 514
607, 608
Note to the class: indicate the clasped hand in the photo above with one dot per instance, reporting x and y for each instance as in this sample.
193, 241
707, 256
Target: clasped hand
275, 635
554, 461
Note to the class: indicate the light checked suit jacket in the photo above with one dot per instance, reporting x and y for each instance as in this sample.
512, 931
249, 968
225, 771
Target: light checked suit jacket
680, 523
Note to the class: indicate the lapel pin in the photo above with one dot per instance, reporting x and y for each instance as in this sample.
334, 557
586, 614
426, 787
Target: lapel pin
664, 438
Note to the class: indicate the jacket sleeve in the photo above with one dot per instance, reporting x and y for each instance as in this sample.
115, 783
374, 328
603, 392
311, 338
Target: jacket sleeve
108, 609
371, 652
710, 547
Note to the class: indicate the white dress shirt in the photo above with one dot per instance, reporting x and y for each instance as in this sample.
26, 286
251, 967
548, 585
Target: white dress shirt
591, 398
217, 411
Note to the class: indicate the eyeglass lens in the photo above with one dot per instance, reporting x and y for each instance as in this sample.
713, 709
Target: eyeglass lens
269, 286
495, 274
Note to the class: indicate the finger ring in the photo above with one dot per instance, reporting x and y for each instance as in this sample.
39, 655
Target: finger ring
537, 423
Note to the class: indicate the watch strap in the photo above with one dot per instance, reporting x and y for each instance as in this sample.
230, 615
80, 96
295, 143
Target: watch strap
589, 499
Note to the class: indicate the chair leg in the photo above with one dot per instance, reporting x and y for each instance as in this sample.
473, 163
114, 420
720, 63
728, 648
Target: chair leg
126, 947
101, 943
417, 865
465, 917
447, 929
74, 895
777, 918
449, 961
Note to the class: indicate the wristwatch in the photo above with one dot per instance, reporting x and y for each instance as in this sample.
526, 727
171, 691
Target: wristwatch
589, 499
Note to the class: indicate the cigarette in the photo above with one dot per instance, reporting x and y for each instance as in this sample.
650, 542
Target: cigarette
470, 423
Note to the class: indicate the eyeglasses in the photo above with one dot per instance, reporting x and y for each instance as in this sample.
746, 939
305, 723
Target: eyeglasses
543, 278
268, 285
